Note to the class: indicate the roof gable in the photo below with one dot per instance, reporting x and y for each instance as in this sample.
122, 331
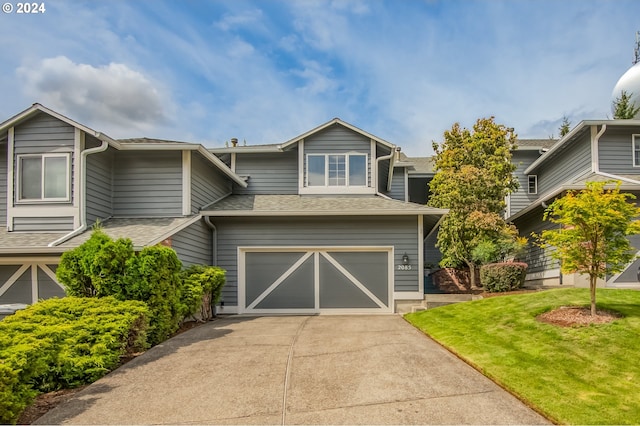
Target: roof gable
331, 123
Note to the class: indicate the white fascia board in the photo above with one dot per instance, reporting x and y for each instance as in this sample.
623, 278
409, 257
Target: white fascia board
16, 119
255, 149
33, 250
558, 145
241, 213
620, 178
174, 231
330, 123
165, 146
222, 166
19, 260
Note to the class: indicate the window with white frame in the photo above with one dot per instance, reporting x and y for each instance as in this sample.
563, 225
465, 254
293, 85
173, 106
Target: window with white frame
636, 150
43, 177
337, 170
532, 184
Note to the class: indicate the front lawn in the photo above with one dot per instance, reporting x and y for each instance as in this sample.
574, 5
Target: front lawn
578, 375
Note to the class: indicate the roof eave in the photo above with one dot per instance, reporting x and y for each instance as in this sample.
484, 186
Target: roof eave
271, 213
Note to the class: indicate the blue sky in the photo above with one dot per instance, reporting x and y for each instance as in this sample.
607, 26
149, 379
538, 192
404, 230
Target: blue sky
266, 71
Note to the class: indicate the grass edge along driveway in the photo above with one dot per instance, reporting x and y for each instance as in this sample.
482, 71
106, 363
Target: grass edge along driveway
578, 375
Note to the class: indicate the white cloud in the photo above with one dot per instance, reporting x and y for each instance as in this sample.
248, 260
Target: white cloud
113, 95
317, 80
245, 18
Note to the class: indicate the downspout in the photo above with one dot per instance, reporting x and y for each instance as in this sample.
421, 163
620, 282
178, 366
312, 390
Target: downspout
83, 193
383, 158
595, 155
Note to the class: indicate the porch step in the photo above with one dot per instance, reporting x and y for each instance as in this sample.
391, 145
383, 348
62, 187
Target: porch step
435, 300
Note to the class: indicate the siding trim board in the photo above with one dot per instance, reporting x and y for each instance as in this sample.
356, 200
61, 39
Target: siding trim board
27, 271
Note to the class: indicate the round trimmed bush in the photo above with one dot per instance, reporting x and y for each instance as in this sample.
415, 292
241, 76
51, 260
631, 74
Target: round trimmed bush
506, 276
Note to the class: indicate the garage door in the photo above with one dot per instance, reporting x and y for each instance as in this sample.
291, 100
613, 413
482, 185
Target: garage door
315, 280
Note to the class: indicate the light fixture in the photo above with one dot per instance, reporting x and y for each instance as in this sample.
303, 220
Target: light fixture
405, 258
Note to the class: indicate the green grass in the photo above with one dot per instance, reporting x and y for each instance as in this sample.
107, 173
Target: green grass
579, 375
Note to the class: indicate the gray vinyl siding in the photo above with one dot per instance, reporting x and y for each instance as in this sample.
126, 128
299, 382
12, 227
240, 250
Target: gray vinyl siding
49, 224
521, 198
3, 184
47, 288
400, 232
383, 168
99, 186
615, 150
397, 191
538, 259
147, 184
269, 173
193, 244
20, 291
569, 163
337, 139
43, 134
208, 184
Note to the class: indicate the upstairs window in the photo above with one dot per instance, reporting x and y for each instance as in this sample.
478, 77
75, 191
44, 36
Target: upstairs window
337, 170
43, 177
636, 150
532, 184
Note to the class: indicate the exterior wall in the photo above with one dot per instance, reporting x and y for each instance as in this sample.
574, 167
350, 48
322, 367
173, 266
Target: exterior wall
49, 224
521, 198
270, 173
207, 183
569, 163
28, 280
194, 244
43, 134
400, 232
339, 140
99, 186
147, 184
383, 170
542, 268
615, 150
398, 185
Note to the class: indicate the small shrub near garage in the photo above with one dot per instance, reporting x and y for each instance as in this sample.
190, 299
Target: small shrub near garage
64, 343
506, 276
201, 289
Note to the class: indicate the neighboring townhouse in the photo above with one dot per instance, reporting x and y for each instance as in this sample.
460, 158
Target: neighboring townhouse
320, 223
59, 177
595, 150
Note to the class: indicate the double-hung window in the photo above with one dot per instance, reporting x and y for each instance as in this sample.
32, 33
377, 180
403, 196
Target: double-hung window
337, 170
636, 150
43, 177
532, 184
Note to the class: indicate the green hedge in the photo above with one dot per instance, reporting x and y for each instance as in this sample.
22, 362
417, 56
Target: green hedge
64, 343
507, 276
201, 289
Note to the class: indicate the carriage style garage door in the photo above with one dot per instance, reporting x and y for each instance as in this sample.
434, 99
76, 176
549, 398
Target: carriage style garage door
315, 280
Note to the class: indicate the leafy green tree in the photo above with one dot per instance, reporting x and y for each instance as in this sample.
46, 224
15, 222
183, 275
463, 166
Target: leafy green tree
592, 239
623, 108
565, 127
474, 174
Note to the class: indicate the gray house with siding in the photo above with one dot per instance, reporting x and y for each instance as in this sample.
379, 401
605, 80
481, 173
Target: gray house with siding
317, 224
595, 150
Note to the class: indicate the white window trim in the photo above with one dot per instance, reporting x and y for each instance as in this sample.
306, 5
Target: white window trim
326, 170
634, 139
535, 178
43, 156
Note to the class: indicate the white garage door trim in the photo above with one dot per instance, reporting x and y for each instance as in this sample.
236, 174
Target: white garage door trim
316, 252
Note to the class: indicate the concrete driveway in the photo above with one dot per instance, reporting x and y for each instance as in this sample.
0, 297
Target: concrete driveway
296, 370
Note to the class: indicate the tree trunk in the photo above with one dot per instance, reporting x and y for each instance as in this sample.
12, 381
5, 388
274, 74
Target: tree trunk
593, 280
472, 275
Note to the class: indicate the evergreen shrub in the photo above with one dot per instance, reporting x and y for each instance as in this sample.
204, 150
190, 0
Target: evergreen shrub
506, 276
202, 288
64, 343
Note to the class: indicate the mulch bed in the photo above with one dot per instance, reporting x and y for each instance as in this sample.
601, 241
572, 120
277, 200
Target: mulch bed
572, 316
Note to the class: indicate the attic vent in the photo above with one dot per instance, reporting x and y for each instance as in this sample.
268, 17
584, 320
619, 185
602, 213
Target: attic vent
234, 142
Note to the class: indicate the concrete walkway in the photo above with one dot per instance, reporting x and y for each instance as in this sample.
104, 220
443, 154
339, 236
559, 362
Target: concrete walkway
296, 370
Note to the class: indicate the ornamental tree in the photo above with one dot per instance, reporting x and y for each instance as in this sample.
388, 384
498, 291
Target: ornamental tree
592, 238
474, 174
